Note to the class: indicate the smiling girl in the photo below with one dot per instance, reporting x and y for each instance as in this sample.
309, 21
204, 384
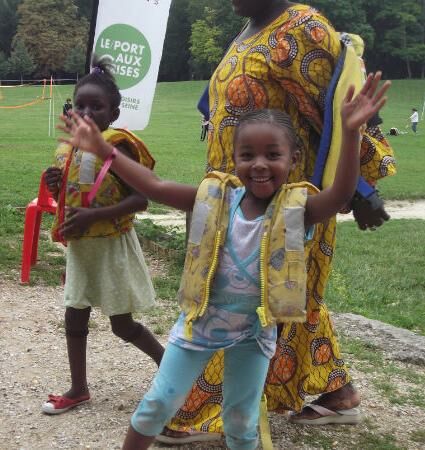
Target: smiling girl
245, 263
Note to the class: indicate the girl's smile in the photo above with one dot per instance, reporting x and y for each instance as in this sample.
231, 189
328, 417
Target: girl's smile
260, 179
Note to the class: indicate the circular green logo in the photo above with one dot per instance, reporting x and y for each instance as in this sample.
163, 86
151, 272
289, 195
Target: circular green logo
129, 51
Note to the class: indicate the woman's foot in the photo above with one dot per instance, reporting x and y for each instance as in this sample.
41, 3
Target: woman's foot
344, 399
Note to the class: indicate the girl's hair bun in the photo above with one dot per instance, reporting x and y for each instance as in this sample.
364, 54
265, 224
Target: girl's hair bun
102, 65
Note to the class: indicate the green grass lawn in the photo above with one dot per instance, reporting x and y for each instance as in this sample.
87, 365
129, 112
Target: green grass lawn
376, 274
173, 138
380, 274
409, 148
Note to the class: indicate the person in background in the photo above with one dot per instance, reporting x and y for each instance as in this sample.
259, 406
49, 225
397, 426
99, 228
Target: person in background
67, 107
105, 266
414, 119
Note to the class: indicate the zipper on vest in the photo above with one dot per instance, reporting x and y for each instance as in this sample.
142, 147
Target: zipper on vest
261, 310
211, 273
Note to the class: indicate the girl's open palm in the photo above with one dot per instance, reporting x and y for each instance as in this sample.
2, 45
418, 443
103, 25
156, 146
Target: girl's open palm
82, 133
357, 111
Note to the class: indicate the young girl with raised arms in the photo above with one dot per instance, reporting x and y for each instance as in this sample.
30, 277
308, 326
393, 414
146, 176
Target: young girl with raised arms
104, 262
245, 263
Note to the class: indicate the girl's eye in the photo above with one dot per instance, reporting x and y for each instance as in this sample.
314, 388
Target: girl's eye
274, 155
245, 156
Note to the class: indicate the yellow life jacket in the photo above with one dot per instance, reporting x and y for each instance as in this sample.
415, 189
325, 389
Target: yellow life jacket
282, 252
80, 170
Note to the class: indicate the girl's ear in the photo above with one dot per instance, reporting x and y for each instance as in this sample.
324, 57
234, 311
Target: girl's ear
295, 157
115, 114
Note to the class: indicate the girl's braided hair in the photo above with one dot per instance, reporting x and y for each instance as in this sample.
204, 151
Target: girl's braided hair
101, 74
273, 117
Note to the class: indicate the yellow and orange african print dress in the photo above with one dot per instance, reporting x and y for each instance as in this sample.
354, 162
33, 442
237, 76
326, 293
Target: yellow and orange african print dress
287, 66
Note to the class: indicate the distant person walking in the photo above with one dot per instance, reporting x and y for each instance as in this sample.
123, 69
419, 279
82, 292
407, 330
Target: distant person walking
414, 119
67, 107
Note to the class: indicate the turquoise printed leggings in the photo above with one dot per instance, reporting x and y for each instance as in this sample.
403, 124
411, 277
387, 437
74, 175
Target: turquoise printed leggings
245, 370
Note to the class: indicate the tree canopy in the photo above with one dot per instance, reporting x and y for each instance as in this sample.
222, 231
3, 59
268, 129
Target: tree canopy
54, 35
58, 28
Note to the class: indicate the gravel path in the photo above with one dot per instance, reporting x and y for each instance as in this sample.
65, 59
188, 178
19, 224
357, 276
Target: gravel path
33, 363
397, 209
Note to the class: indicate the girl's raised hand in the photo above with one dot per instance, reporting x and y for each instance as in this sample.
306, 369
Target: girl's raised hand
83, 133
356, 111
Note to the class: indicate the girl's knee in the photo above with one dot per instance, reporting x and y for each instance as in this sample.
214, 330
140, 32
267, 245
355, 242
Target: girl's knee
153, 413
76, 322
125, 327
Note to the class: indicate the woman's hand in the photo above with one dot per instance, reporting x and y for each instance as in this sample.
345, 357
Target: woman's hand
78, 220
355, 112
84, 134
369, 213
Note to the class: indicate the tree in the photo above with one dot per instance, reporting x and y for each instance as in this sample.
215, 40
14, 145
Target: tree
214, 26
349, 16
204, 44
20, 62
176, 55
4, 66
224, 18
8, 23
399, 25
85, 8
50, 29
76, 60
423, 40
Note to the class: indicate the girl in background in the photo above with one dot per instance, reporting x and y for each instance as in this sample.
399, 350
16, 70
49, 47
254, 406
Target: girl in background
105, 265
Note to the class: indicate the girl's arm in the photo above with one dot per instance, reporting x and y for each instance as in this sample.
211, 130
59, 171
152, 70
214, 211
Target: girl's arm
53, 178
78, 220
85, 135
355, 112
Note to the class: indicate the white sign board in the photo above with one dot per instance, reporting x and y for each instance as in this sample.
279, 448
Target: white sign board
131, 33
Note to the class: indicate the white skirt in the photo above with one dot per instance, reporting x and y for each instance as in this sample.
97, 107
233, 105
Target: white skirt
110, 273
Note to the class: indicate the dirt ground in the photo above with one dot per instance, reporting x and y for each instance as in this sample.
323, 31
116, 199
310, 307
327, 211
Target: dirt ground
33, 363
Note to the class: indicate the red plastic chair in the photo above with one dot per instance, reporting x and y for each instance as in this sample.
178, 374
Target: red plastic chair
44, 203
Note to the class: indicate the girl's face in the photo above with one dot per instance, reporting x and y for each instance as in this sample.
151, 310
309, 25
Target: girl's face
263, 158
91, 100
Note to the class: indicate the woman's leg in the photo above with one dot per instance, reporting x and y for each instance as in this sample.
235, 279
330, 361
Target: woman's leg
76, 329
179, 369
127, 329
245, 371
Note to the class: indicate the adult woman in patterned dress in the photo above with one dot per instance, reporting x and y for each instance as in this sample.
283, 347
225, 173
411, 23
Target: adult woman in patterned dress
284, 58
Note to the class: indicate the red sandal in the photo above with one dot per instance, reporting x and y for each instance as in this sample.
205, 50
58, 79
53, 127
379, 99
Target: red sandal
58, 404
